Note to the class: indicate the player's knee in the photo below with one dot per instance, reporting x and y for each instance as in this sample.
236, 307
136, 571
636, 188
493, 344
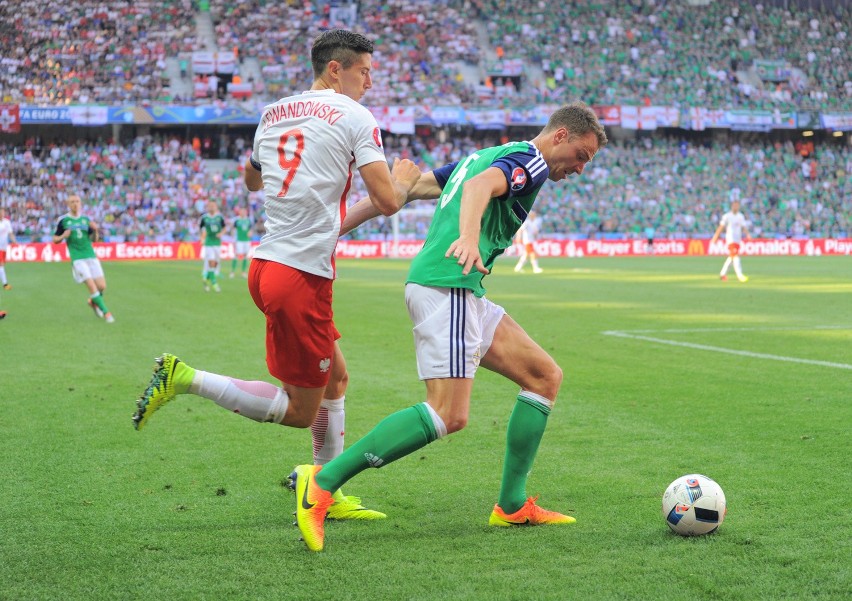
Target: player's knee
298, 421
550, 379
337, 384
299, 416
343, 382
455, 423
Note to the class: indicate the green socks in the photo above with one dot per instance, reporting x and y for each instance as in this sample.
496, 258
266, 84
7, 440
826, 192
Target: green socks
403, 432
98, 299
398, 435
526, 427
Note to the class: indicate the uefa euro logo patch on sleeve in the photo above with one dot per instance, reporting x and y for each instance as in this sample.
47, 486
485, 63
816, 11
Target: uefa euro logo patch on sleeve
519, 179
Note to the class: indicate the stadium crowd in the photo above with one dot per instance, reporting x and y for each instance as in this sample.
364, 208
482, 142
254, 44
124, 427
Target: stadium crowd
675, 54
660, 52
415, 51
604, 52
155, 187
89, 51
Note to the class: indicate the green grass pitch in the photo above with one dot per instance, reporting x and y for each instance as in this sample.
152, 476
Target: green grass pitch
668, 371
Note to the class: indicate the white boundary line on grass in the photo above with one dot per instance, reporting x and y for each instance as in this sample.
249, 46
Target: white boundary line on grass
718, 349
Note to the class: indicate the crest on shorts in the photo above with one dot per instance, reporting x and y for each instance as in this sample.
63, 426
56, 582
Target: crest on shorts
324, 364
519, 179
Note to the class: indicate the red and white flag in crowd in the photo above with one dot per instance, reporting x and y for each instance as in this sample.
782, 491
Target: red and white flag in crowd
10, 118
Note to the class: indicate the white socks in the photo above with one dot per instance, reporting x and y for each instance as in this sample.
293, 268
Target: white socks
327, 430
440, 426
738, 268
260, 401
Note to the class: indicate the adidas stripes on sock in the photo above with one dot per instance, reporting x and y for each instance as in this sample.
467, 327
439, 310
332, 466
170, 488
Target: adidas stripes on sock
396, 436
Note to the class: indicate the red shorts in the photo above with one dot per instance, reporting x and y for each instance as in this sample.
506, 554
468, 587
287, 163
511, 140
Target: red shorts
734, 248
300, 332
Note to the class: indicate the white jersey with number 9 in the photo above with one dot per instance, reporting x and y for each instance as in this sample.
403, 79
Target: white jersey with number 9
307, 146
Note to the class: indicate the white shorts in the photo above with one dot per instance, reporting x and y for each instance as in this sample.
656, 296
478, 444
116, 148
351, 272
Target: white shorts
243, 247
453, 329
86, 269
211, 253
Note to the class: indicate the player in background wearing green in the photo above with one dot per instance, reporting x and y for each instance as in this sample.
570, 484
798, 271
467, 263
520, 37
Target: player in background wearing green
242, 231
211, 226
78, 232
456, 329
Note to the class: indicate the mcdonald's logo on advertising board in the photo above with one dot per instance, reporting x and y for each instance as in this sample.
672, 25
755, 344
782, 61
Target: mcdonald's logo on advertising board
187, 251
696, 247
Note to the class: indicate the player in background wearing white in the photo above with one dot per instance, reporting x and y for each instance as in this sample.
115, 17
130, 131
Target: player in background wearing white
304, 151
526, 238
7, 236
734, 224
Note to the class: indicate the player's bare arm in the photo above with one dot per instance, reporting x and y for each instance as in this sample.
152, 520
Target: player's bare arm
364, 210
389, 191
476, 194
716, 234
252, 177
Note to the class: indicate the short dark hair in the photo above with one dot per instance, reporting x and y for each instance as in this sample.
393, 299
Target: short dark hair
338, 45
579, 119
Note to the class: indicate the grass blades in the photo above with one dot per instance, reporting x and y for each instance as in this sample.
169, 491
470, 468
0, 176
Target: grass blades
668, 371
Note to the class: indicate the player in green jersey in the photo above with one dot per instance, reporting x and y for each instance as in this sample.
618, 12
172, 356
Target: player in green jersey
242, 230
78, 232
482, 203
211, 226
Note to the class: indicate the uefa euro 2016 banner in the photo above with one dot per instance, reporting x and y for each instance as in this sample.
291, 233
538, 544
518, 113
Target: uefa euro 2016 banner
403, 119
406, 249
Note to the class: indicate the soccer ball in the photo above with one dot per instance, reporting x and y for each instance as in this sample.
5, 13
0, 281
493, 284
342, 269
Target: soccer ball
694, 505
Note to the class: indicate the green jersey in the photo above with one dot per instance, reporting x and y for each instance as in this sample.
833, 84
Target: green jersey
213, 226
525, 172
243, 228
79, 242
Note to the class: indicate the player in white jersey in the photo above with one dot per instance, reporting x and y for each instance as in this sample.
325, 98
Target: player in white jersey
304, 150
526, 238
7, 235
734, 224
